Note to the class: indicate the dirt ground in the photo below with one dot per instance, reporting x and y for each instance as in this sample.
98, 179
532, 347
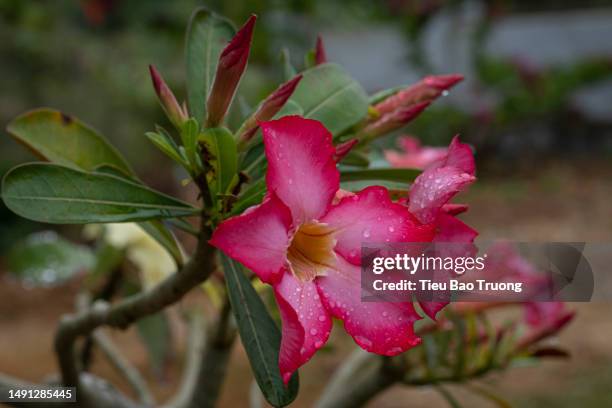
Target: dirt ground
553, 203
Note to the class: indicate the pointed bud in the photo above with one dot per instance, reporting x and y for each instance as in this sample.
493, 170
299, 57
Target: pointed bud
232, 63
545, 331
320, 54
268, 108
344, 148
427, 89
175, 113
393, 120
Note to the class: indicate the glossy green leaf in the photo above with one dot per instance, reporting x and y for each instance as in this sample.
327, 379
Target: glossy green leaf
328, 94
260, 335
46, 259
399, 175
165, 237
222, 155
207, 35
57, 194
63, 139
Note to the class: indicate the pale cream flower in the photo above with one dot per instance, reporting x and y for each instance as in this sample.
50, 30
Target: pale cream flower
149, 256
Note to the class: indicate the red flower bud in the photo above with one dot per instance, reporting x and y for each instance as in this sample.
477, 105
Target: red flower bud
394, 120
320, 54
175, 113
232, 63
268, 108
343, 148
427, 89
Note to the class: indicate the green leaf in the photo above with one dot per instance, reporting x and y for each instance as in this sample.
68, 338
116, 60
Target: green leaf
155, 333
63, 139
328, 94
61, 195
222, 155
356, 158
46, 259
189, 136
207, 34
399, 175
165, 237
288, 69
260, 336
167, 146
252, 195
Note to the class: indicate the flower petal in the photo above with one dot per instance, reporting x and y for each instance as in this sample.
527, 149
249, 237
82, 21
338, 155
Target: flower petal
459, 155
371, 216
306, 323
379, 327
435, 187
301, 167
258, 238
452, 229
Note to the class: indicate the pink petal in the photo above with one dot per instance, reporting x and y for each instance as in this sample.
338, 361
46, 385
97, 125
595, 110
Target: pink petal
301, 166
258, 238
385, 328
452, 229
435, 187
371, 216
306, 323
459, 155
454, 209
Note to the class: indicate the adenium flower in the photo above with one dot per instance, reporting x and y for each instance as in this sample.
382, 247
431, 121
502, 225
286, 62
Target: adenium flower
306, 243
428, 202
414, 155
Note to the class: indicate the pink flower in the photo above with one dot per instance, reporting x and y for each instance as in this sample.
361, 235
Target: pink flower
415, 156
307, 245
428, 201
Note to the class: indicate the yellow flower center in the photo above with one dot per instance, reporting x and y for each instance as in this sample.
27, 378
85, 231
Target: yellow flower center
311, 252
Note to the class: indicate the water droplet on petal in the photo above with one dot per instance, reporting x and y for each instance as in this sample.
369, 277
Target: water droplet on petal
365, 342
322, 318
318, 344
313, 332
366, 234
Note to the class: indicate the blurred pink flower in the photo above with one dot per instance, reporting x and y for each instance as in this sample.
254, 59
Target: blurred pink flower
414, 155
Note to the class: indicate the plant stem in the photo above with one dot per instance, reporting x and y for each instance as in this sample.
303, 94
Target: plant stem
214, 361
359, 379
127, 311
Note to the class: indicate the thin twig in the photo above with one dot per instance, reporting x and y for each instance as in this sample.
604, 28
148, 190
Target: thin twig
123, 366
127, 311
193, 359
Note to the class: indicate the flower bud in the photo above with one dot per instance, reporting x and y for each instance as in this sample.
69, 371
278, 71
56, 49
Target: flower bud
175, 113
268, 108
320, 54
393, 120
428, 89
344, 148
232, 63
